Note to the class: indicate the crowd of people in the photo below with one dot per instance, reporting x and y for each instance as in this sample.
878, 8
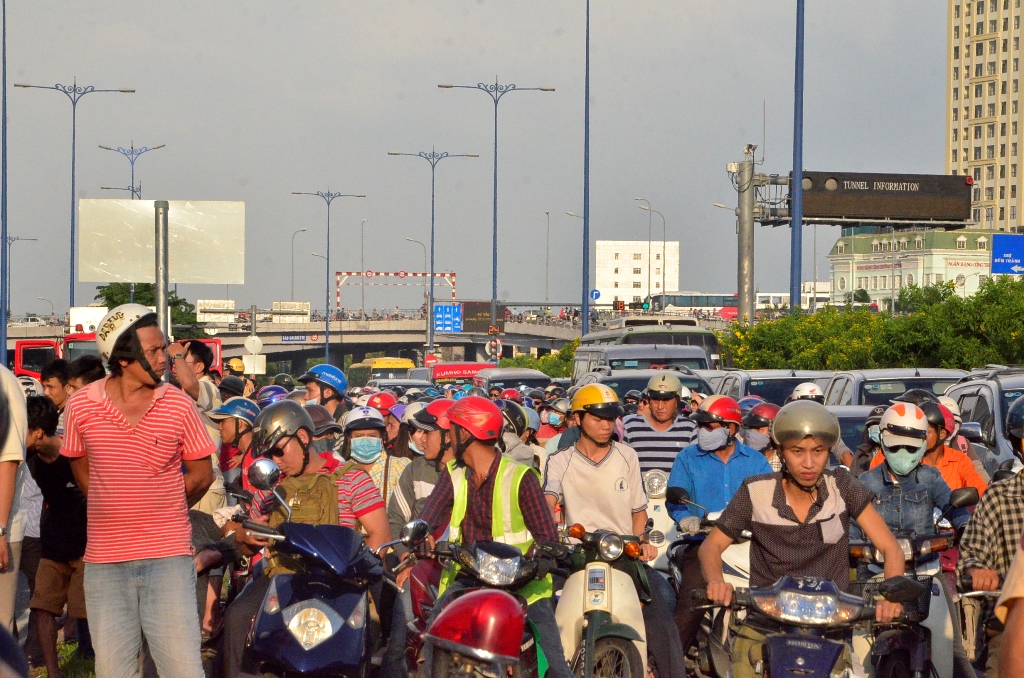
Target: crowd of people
118, 492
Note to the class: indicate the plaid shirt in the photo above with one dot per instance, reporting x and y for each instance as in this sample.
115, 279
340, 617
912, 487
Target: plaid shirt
392, 467
994, 531
476, 526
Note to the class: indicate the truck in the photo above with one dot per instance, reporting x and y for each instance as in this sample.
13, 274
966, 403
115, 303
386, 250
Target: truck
32, 355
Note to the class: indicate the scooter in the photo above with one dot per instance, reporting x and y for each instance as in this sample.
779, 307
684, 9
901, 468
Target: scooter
599, 615
479, 631
664, 531
931, 638
313, 621
807, 620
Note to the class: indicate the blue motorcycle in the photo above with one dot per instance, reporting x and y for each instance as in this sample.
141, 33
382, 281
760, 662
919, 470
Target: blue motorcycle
806, 621
313, 622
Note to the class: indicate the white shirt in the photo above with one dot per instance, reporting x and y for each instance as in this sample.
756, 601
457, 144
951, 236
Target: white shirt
598, 496
13, 449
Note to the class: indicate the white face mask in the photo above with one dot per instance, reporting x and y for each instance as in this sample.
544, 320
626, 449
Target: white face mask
756, 439
709, 441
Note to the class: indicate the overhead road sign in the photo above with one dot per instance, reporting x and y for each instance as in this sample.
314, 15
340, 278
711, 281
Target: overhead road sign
868, 196
1007, 254
447, 318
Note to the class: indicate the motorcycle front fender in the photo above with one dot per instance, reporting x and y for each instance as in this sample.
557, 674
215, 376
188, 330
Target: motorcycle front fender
599, 625
887, 642
808, 656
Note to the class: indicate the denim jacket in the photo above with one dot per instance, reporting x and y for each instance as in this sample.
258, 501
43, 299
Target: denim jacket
908, 505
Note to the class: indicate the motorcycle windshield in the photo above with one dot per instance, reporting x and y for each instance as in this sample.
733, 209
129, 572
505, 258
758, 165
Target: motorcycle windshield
333, 546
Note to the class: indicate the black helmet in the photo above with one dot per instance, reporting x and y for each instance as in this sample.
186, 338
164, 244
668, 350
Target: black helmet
916, 396
232, 386
633, 394
934, 414
536, 394
279, 420
514, 416
284, 379
477, 391
1015, 419
875, 415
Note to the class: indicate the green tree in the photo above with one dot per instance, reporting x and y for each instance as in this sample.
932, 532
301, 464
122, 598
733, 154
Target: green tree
553, 364
861, 296
183, 314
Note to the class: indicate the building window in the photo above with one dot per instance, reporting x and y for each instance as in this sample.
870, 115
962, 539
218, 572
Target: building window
990, 172
884, 282
989, 214
657, 271
992, 29
874, 282
990, 193
637, 271
1013, 211
1016, 44
979, 29
991, 110
842, 283
636, 285
918, 243
977, 152
1013, 191
938, 278
616, 271
956, 114
1002, 171
992, 89
903, 243
1002, 129
956, 134
1001, 213
910, 278
977, 131
1002, 192
841, 248
657, 257
990, 131
977, 174
1013, 170
615, 284
956, 32
976, 214
977, 194
927, 279
876, 246
956, 11
616, 255
990, 152
982, 279
637, 256
961, 243
657, 285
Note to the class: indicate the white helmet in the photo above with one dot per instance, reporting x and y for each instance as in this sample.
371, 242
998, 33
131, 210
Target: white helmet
30, 385
410, 411
360, 418
362, 400
903, 424
114, 324
952, 407
808, 391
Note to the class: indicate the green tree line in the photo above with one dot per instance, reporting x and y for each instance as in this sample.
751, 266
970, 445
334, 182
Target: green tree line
932, 327
553, 364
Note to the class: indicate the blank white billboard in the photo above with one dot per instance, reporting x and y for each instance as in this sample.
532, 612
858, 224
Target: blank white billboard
207, 241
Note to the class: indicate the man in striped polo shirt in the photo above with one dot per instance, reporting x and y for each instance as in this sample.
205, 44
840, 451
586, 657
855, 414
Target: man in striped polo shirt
141, 456
664, 431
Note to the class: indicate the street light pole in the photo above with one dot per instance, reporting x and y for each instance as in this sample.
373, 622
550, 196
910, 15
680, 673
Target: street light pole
301, 230
53, 313
425, 294
496, 91
433, 157
796, 186
74, 92
7, 276
133, 154
664, 247
650, 218
547, 257
362, 268
328, 198
585, 303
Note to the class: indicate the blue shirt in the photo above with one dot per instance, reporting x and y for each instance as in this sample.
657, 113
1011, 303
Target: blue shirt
908, 505
710, 481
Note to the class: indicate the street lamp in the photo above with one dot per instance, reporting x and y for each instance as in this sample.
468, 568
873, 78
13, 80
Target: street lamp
7, 278
301, 230
650, 217
425, 296
496, 91
74, 92
328, 198
53, 313
547, 256
433, 157
664, 253
362, 268
132, 154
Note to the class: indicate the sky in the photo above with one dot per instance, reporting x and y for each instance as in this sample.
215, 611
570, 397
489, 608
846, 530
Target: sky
254, 100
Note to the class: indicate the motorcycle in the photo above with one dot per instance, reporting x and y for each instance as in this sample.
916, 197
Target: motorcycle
600, 614
315, 620
977, 611
806, 621
482, 630
931, 641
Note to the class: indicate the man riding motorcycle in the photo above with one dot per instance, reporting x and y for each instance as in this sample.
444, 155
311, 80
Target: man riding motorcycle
464, 499
659, 435
325, 385
757, 424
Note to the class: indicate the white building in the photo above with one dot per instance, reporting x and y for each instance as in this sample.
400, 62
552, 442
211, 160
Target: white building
629, 270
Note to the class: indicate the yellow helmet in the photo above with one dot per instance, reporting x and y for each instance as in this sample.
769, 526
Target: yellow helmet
236, 365
599, 400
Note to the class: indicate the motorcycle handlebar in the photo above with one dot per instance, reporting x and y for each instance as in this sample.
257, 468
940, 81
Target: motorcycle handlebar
261, 530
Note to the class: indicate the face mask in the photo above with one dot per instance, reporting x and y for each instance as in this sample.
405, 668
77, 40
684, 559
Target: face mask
554, 419
756, 439
314, 401
321, 446
903, 460
412, 446
367, 450
709, 441
875, 435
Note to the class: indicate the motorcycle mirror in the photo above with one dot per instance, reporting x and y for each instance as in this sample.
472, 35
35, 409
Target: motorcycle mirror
264, 474
901, 589
964, 497
1006, 465
677, 495
1002, 474
414, 533
972, 432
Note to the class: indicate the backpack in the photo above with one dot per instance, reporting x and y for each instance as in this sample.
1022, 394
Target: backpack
313, 499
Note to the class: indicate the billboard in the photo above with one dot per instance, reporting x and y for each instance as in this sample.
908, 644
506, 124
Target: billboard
215, 310
207, 241
290, 312
920, 197
476, 316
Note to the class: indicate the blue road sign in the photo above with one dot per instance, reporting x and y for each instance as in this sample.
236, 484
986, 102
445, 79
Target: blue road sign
595, 294
1007, 254
447, 318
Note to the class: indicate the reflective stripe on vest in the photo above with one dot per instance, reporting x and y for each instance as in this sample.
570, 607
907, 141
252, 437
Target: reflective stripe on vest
507, 523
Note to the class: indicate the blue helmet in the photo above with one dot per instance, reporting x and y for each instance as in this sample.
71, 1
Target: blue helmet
466, 387
327, 375
532, 419
432, 392
237, 407
459, 395
269, 395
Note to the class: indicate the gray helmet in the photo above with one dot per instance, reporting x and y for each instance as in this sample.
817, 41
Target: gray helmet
561, 405
802, 418
664, 387
279, 420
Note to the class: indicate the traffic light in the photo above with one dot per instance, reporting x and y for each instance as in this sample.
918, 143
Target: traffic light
646, 306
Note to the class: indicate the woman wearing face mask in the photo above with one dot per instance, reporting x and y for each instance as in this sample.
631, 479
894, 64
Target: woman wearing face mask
398, 433
553, 420
756, 432
364, 444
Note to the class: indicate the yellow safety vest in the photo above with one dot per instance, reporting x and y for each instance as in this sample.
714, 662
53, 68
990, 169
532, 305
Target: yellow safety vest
507, 524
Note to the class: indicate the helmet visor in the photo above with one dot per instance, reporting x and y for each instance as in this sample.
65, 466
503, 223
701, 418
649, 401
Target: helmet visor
902, 436
605, 410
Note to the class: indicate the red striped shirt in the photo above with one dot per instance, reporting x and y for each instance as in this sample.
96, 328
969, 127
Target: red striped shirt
136, 503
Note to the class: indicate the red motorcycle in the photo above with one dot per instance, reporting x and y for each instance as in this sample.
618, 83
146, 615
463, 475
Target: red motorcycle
482, 630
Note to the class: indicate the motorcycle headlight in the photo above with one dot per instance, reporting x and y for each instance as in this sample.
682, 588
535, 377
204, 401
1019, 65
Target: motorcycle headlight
311, 622
610, 546
655, 484
805, 608
496, 571
908, 551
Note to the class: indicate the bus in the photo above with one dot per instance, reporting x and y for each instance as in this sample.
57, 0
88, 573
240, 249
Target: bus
717, 305
665, 333
391, 368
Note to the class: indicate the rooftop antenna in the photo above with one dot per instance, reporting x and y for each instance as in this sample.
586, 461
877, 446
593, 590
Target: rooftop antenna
764, 128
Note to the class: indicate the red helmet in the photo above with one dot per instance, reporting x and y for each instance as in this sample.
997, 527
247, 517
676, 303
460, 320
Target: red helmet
510, 394
435, 415
948, 420
718, 408
760, 415
382, 402
479, 416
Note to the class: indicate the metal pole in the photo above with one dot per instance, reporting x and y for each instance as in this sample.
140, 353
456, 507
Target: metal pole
650, 259
892, 271
362, 268
327, 293
796, 186
74, 117
430, 280
547, 257
301, 230
664, 258
494, 240
814, 302
585, 307
745, 241
163, 319
5, 308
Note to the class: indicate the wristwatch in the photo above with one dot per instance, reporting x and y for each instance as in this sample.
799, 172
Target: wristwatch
3, 531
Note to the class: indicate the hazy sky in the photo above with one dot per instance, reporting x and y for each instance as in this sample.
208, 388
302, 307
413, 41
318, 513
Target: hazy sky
257, 99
